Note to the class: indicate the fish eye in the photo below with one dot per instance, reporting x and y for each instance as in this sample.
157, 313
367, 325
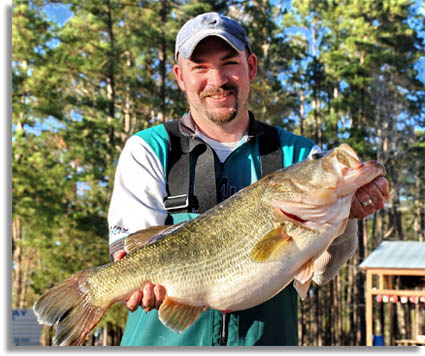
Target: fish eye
317, 155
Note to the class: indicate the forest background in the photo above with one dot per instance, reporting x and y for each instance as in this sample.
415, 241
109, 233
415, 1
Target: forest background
88, 74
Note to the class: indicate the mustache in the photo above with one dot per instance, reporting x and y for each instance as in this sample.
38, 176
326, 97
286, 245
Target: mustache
217, 91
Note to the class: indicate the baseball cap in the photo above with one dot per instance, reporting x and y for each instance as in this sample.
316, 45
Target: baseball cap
210, 24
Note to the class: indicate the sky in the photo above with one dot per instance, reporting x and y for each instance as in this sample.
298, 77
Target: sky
61, 14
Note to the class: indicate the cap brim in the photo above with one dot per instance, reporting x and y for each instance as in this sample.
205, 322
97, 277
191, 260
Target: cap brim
189, 46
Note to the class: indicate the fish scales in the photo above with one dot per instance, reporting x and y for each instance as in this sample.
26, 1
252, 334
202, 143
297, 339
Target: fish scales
202, 257
235, 256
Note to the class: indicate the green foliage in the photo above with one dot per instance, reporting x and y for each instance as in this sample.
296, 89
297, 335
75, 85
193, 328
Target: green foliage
335, 71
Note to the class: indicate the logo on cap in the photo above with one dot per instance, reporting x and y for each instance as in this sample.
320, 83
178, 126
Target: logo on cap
210, 24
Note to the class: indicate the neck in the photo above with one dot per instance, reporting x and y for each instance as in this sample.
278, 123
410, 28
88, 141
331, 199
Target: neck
225, 132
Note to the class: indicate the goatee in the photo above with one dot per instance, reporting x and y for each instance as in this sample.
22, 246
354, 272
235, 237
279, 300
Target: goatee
220, 118
223, 118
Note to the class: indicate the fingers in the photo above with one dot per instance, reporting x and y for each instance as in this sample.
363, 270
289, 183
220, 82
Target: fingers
384, 187
149, 297
370, 198
160, 294
134, 301
118, 255
153, 296
148, 300
357, 211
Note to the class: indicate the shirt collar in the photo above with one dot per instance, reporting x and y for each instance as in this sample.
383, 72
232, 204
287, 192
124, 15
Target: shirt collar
188, 128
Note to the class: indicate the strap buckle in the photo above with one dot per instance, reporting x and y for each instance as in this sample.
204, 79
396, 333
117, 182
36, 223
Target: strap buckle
176, 202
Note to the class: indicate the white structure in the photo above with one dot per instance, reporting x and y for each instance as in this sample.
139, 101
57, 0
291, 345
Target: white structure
26, 330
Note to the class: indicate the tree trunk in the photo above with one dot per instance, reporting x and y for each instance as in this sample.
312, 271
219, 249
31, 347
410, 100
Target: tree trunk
111, 77
350, 304
24, 283
105, 335
17, 262
127, 116
301, 117
317, 318
162, 56
360, 287
418, 225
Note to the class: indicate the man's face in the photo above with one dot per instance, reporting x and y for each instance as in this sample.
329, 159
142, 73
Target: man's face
216, 80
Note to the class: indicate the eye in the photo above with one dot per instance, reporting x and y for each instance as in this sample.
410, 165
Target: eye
317, 155
198, 68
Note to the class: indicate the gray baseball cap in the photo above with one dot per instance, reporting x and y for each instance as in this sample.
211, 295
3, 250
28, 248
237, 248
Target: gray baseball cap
210, 24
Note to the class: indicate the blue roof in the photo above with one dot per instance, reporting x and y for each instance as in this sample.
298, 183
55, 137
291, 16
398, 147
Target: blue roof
397, 254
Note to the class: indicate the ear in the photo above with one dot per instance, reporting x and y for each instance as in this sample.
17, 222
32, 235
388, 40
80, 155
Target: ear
179, 76
252, 65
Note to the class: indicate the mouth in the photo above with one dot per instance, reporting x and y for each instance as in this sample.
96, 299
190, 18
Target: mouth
220, 94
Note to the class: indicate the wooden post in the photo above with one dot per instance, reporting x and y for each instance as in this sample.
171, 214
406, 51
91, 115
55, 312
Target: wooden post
369, 308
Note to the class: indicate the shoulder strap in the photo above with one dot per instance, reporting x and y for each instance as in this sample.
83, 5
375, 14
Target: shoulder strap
178, 167
196, 191
191, 183
270, 150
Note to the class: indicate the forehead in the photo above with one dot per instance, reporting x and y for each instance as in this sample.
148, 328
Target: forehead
211, 46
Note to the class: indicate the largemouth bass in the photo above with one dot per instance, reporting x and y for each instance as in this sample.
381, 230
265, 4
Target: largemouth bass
233, 257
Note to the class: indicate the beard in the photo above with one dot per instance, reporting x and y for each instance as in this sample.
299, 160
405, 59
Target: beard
221, 116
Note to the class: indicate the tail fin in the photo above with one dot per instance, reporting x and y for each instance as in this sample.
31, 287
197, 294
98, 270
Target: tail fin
68, 305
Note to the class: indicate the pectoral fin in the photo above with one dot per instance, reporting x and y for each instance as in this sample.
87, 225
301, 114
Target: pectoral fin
141, 237
178, 316
303, 279
270, 247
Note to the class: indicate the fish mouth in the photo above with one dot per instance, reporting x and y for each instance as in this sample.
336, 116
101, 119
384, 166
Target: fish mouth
359, 176
347, 156
315, 216
376, 166
323, 197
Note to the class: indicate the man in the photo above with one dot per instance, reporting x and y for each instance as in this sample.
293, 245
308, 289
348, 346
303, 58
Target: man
214, 68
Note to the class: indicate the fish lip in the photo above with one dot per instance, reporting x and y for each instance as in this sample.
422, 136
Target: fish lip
362, 175
349, 151
377, 165
373, 168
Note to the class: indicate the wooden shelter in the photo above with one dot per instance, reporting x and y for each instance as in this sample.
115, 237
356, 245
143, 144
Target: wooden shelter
388, 260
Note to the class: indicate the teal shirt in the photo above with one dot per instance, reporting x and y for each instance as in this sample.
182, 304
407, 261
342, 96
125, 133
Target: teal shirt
271, 323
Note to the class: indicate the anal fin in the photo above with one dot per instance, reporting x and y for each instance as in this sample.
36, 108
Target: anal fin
303, 279
178, 316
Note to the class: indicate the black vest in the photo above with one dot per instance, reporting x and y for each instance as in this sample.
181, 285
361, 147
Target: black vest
196, 191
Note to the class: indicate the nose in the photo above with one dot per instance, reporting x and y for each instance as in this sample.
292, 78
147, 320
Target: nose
216, 78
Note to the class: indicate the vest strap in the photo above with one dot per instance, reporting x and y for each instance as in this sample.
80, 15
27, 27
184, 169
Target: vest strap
190, 176
270, 150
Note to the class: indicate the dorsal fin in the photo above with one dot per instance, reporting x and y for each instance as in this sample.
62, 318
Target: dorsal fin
142, 237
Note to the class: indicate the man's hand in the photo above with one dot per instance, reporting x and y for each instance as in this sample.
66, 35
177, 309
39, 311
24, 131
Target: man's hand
149, 297
370, 198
